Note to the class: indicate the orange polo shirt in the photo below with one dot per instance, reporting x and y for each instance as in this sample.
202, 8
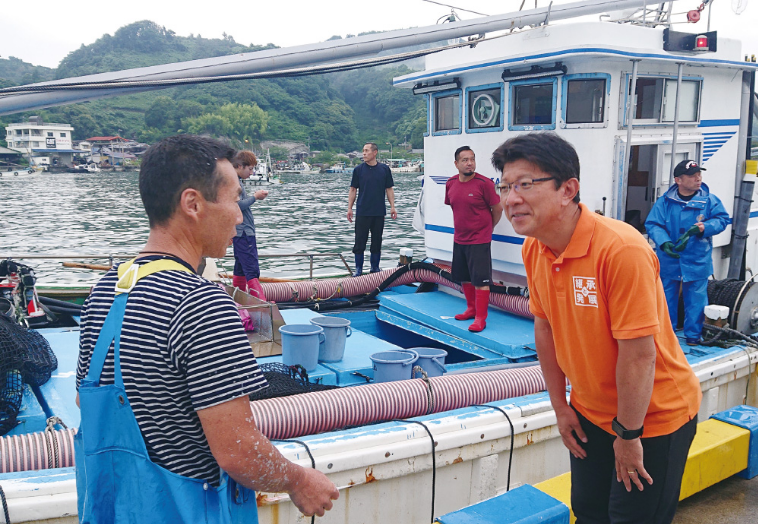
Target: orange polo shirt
606, 287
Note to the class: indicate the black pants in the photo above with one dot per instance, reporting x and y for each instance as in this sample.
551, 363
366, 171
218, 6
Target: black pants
596, 495
362, 227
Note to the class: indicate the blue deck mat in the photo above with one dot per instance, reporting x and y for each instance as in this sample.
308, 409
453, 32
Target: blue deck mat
358, 349
506, 334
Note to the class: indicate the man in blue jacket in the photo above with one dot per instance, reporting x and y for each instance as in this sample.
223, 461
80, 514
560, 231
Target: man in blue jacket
682, 224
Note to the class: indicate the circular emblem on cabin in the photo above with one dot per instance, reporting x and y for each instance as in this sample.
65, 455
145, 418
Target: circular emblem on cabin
484, 110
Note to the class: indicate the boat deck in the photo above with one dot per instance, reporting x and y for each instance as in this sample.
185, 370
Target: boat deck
403, 320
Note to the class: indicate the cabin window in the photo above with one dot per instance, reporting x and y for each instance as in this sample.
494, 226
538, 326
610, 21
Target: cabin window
656, 100
63, 135
689, 99
585, 101
484, 108
533, 104
447, 113
49, 133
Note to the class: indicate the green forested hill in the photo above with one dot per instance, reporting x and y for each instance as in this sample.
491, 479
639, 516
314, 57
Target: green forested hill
14, 71
334, 112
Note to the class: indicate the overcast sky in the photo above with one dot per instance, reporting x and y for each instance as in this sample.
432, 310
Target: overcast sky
46, 33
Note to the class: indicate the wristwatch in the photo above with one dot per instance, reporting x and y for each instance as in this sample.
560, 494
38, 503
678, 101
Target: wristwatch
626, 434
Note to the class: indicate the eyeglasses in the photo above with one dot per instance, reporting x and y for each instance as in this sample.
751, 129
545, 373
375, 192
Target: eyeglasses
522, 185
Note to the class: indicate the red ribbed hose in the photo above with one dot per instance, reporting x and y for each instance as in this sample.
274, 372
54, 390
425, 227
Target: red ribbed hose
309, 413
34, 451
306, 291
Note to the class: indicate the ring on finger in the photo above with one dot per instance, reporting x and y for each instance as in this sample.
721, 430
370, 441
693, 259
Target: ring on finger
632, 471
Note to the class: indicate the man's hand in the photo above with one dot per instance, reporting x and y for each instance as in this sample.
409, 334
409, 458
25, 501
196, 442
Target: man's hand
685, 238
261, 194
570, 429
314, 493
668, 248
629, 465
350, 215
393, 213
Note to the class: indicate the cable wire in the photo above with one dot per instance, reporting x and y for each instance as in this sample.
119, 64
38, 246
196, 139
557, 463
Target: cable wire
434, 459
456, 8
510, 454
310, 455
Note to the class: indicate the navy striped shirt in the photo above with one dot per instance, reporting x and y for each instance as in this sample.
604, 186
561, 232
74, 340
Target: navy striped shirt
183, 348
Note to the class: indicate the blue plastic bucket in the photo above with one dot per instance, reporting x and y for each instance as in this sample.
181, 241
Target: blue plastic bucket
336, 331
431, 360
393, 365
300, 345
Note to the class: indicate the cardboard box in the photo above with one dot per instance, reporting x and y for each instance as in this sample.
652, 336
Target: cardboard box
266, 339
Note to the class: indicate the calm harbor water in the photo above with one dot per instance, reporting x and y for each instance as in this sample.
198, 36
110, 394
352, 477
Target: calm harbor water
101, 214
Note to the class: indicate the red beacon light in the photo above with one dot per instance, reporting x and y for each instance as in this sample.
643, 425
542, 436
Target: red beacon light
701, 43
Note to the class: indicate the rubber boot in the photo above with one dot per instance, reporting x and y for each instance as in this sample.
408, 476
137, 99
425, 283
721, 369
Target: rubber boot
482, 303
375, 259
358, 265
239, 282
255, 289
469, 291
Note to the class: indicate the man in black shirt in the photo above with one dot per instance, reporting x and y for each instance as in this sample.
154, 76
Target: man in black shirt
371, 180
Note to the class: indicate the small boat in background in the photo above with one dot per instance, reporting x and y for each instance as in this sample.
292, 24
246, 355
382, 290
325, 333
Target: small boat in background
90, 167
17, 172
301, 168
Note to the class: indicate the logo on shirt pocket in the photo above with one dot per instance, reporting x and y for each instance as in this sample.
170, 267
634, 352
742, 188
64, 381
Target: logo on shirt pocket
585, 291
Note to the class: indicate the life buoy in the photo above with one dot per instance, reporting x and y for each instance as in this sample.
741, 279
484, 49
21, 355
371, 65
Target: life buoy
15, 173
30, 171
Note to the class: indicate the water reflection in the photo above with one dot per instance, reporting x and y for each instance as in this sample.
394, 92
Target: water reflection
90, 214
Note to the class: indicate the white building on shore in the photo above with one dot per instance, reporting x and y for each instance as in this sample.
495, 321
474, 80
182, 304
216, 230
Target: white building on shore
47, 144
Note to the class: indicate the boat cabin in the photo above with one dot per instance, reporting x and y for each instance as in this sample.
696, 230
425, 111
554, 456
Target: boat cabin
542, 79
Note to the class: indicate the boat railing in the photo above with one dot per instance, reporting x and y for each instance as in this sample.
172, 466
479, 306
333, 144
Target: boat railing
111, 258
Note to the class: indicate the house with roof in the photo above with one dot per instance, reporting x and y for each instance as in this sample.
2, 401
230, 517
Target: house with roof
47, 144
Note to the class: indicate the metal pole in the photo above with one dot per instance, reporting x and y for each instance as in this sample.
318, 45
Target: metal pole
310, 257
709, 16
746, 184
676, 122
632, 102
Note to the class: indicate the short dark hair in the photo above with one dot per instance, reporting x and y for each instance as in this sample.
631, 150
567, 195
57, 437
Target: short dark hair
551, 153
175, 164
374, 147
244, 158
461, 150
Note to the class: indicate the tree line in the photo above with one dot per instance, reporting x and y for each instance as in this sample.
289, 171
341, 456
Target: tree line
332, 112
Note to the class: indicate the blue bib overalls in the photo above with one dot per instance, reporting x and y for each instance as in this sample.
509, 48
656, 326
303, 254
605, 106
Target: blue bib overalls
115, 479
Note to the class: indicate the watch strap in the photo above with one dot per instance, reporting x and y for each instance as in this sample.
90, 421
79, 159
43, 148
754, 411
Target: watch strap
626, 434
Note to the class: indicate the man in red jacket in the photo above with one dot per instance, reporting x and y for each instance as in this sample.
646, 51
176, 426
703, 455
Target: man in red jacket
476, 210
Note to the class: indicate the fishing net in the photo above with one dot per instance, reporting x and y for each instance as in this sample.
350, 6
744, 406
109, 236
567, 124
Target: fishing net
25, 356
285, 380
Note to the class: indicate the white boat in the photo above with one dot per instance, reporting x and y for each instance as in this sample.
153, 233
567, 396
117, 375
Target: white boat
339, 167
263, 174
403, 166
480, 95
90, 167
10, 173
300, 168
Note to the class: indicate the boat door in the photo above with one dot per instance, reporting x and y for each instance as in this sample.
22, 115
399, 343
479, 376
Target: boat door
649, 177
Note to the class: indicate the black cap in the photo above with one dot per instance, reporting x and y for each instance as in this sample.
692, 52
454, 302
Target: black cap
687, 167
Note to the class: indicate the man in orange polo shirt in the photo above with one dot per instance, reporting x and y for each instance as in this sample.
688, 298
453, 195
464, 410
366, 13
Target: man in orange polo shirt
601, 321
